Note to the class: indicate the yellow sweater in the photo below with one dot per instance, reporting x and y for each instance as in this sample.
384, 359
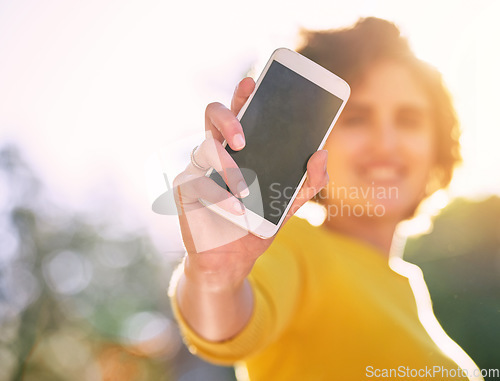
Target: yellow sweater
327, 307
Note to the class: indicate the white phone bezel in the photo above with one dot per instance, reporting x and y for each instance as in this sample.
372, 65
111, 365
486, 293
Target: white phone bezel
310, 70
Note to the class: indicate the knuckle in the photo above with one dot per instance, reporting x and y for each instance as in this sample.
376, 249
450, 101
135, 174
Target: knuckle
234, 124
207, 148
200, 151
229, 125
208, 151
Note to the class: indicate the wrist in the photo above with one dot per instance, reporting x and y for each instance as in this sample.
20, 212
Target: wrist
222, 279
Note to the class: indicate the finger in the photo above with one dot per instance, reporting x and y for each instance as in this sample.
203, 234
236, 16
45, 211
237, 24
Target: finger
212, 154
190, 189
221, 123
317, 178
241, 94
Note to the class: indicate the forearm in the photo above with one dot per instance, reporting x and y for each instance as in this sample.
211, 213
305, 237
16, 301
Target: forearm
216, 312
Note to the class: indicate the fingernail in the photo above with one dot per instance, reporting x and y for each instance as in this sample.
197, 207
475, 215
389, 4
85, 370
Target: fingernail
238, 207
238, 141
242, 189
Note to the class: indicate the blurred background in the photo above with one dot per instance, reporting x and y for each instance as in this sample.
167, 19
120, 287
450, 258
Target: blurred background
98, 98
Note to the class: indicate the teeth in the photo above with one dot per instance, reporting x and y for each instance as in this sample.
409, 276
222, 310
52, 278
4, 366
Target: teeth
383, 173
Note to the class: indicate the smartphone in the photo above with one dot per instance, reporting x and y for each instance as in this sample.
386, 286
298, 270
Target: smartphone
288, 117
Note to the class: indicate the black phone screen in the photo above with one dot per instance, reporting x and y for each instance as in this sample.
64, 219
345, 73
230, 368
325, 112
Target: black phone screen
283, 125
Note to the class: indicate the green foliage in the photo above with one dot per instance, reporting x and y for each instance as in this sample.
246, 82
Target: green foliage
69, 284
460, 260
81, 297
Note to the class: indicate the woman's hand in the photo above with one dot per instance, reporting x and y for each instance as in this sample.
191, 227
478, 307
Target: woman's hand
213, 295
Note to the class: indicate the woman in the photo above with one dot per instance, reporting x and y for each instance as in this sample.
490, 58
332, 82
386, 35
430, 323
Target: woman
322, 303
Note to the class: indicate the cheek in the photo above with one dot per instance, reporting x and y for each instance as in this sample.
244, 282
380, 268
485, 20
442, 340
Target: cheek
420, 151
343, 148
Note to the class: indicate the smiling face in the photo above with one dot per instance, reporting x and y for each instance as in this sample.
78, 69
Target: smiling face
382, 148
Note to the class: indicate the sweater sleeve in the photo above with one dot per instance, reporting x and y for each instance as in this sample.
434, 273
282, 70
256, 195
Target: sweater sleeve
275, 281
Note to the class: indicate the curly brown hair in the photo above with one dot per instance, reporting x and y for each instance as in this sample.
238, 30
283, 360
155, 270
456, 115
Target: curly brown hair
350, 52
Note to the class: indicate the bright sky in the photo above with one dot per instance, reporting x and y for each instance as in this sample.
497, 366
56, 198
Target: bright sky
91, 89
